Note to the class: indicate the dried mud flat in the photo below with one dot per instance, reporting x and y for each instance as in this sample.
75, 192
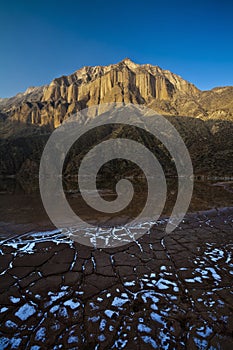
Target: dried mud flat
162, 292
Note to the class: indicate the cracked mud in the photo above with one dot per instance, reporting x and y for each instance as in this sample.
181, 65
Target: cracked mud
161, 292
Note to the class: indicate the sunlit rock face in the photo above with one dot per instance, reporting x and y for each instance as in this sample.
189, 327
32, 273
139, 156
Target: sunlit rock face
126, 81
123, 82
203, 118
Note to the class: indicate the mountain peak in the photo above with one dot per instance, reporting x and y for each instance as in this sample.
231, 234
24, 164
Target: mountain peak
125, 81
127, 60
129, 63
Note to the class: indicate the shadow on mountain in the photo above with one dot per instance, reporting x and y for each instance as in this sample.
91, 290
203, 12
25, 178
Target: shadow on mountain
209, 142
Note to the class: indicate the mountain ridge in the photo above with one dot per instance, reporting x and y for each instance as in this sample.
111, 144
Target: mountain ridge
203, 118
125, 81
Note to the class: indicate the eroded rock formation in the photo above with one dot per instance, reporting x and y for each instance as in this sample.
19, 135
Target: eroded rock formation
204, 118
122, 82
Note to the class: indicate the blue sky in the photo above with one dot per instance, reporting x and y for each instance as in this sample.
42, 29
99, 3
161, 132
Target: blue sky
41, 40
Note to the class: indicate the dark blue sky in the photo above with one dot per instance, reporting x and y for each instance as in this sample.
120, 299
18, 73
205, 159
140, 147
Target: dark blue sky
41, 40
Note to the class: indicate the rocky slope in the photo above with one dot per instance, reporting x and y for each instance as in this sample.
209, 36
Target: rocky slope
204, 118
123, 82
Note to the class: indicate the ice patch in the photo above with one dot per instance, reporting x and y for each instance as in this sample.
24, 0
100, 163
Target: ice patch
215, 275
93, 306
72, 304
15, 343
156, 317
101, 337
193, 280
201, 343
54, 308
204, 331
150, 295
3, 309
149, 340
109, 313
144, 328
119, 301
14, 300
10, 324
72, 339
161, 284
4, 342
120, 343
40, 334
25, 312
129, 284
56, 296
103, 324
94, 318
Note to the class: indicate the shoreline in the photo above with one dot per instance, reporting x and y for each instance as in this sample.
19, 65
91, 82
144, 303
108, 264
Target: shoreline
24, 229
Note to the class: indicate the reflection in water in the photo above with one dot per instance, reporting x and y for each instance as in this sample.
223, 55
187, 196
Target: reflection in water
21, 203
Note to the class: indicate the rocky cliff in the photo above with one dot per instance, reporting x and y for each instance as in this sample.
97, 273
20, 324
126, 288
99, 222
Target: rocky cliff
123, 82
36, 112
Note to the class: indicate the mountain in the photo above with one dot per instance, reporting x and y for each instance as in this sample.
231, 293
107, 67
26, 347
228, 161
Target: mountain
204, 118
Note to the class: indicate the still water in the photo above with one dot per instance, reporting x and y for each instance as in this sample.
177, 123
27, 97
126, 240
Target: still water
21, 203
